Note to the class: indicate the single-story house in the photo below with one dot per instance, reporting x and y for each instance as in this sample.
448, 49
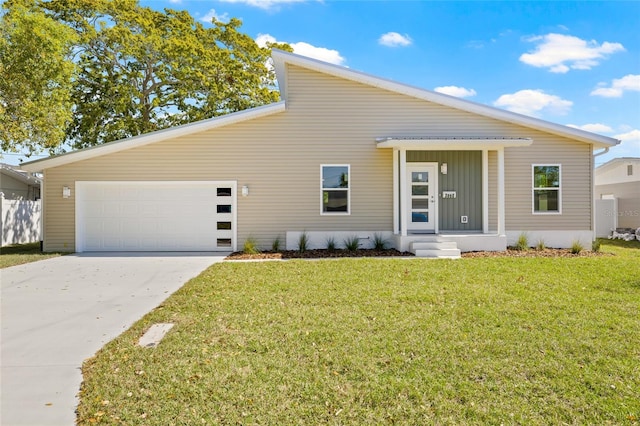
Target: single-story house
343, 154
20, 206
618, 180
16, 184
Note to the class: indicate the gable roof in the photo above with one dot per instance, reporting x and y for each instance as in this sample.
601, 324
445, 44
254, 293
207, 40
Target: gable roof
282, 58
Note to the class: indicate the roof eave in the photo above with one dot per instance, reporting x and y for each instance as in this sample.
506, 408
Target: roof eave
26, 179
614, 161
152, 137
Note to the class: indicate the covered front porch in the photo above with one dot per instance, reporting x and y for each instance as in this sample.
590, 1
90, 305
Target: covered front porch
449, 193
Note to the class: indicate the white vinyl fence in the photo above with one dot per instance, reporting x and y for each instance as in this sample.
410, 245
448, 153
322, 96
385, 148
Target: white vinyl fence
606, 217
20, 221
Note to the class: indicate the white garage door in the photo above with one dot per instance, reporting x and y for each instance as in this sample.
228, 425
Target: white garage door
155, 216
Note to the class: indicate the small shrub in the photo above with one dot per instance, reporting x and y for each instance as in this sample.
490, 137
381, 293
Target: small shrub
250, 246
576, 247
379, 242
595, 245
276, 245
523, 242
540, 246
352, 243
303, 242
331, 244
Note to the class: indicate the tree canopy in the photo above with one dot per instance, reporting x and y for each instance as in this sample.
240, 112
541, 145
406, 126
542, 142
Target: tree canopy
138, 70
35, 79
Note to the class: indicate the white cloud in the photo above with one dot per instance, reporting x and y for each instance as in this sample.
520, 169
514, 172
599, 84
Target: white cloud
560, 53
263, 39
458, 92
618, 86
475, 44
393, 39
533, 102
264, 4
211, 15
630, 145
630, 136
305, 49
594, 128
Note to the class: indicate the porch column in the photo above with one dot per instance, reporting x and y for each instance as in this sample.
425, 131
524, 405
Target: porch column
403, 192
485, 191
396, 191
501, 207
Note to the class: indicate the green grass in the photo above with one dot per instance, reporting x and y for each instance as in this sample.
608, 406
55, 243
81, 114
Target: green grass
384, 341
23, 253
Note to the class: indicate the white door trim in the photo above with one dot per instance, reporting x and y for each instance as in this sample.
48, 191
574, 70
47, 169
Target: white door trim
432, 169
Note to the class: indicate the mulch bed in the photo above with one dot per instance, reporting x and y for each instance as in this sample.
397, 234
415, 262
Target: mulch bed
325, 254
317, 254
547, 252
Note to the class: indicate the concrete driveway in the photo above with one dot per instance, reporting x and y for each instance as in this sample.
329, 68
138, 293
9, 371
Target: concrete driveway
60, 311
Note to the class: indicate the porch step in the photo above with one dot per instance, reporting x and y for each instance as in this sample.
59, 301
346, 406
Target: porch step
435, 249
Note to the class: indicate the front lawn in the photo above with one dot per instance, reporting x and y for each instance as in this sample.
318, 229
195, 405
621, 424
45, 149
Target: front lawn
384, 341
23, 253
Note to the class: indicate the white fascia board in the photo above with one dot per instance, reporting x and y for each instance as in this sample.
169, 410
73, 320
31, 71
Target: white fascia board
452, 144
153, 137
281, 58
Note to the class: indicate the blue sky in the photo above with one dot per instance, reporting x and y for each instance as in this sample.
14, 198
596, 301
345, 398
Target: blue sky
574, 63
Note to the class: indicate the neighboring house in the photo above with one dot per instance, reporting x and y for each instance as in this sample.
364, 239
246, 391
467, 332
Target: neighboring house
618, 181
20, 206
16, 184
343, 154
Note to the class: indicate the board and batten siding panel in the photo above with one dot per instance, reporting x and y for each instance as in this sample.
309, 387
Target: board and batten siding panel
464, 176
328, 121
493, 191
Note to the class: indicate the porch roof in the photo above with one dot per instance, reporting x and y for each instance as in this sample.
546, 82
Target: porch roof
448, 143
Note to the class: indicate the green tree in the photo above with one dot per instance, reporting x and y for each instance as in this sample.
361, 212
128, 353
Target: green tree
35, 79
142, 70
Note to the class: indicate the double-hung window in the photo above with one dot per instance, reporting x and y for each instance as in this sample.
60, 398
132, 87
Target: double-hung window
335, 189
547, 197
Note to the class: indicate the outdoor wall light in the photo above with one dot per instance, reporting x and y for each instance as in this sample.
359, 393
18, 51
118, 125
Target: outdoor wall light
245, 190
66, 192
443, 168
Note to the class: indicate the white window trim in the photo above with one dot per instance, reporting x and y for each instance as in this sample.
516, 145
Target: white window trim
348, 190
533, 189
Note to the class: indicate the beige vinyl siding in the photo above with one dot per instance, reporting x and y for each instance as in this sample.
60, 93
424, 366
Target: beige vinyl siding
328, 121
575, 160
59, 213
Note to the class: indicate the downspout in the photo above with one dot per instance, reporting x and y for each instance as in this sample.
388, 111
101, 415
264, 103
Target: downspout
602, 153
593, 190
